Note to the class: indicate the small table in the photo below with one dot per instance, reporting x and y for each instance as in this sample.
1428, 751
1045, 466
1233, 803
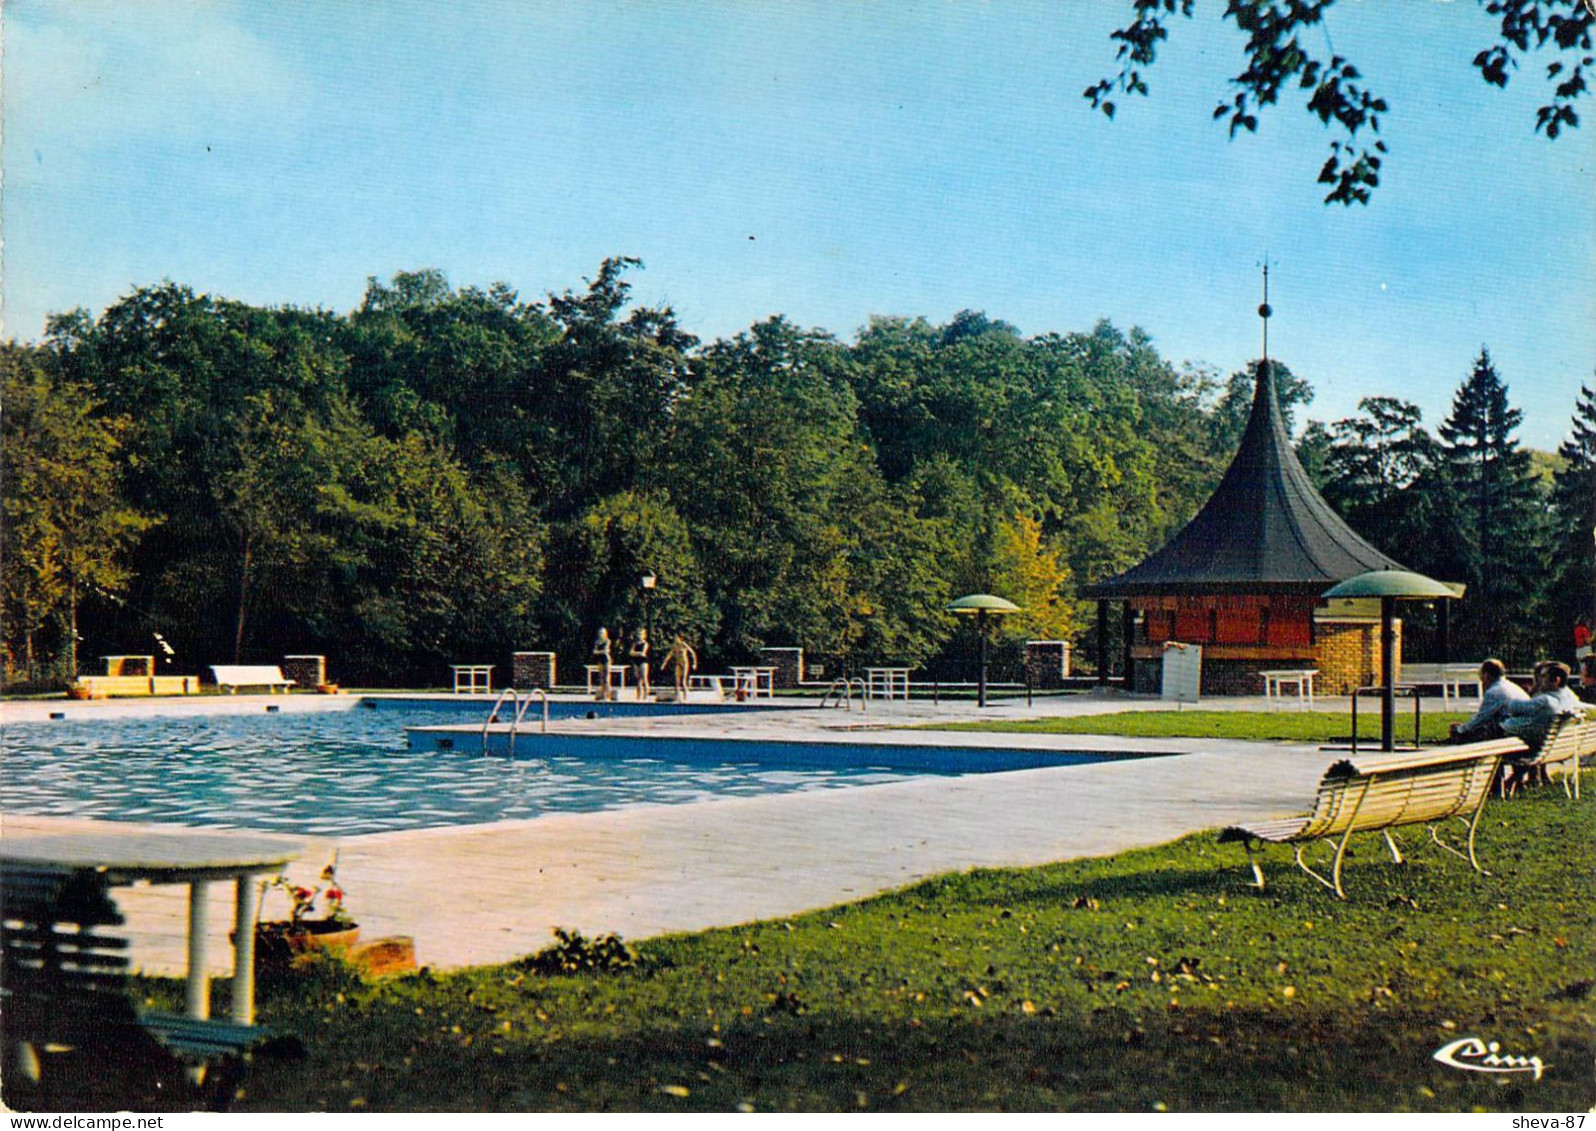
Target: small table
754, 681
887, 683
195, 859
617, 676
1301, 677
470, 679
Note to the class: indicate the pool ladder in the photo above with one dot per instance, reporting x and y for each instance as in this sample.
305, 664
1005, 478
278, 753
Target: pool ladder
521, 706
842, 687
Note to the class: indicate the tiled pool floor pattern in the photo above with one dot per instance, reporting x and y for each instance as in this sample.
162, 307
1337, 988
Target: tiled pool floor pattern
490, 893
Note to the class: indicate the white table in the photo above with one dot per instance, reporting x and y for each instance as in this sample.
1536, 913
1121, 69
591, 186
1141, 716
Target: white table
1301, 678
754, 682
596, 676
195, 859
470, 679
887, 683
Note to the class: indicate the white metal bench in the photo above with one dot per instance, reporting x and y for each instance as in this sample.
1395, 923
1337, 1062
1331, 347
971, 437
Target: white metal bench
1452, 678
1569, 740
230, 677
1379, 792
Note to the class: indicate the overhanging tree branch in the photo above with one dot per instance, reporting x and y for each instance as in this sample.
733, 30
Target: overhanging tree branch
1278, 58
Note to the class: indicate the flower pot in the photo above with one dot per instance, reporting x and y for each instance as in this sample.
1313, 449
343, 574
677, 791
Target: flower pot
281, 945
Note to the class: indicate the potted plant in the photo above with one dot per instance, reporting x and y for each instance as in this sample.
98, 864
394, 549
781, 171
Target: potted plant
278, 942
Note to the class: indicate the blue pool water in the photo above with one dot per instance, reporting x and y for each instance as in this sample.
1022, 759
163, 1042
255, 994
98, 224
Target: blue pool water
352, 772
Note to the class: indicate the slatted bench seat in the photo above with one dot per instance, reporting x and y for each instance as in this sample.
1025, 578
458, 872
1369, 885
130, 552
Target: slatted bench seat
73, 1037
1452, 679
1379, 792
1569, 740
230, 677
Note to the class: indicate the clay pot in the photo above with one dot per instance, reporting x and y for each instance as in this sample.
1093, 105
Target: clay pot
281, 945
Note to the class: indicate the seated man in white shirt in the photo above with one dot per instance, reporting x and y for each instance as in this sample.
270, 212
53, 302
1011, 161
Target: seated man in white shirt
1532, 721
1499, 692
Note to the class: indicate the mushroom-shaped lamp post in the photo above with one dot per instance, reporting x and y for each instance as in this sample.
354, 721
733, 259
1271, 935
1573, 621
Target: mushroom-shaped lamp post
1390, 586
979, 605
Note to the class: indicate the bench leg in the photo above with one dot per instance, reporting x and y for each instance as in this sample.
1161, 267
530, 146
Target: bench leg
1257, 871
1335, 886
1396, 854
1472, 826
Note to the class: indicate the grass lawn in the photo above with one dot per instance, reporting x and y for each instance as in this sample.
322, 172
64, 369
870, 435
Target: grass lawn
1262, 726
1153, 978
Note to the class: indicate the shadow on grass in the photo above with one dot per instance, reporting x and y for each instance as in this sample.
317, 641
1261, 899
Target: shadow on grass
1209, 1058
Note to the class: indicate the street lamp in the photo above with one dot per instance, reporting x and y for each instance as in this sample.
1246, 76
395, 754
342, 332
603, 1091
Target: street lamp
646, 584
979, 605
1390, 586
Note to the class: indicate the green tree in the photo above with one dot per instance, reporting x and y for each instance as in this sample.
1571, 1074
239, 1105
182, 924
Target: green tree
461, 365
599, 559
1281, 52
1377, 469
1033, 575
765, 458
608, 385
1574, 512
66, 529
1495, 519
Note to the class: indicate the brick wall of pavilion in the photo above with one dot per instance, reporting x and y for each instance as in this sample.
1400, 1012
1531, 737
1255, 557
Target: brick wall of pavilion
1349, 654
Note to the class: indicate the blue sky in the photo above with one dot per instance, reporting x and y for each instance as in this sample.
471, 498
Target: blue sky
826, 161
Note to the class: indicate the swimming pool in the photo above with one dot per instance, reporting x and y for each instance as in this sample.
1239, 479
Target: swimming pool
352, 772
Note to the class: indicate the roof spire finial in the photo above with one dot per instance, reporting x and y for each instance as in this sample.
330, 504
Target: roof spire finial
1265, 310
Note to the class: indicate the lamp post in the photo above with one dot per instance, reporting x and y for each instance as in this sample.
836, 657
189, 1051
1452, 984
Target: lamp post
1390, 586
646, 585
980, 604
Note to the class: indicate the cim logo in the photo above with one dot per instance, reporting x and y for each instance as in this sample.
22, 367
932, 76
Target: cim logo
1474, 1055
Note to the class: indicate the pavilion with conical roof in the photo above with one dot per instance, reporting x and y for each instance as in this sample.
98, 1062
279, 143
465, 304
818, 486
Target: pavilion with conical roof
1244, 577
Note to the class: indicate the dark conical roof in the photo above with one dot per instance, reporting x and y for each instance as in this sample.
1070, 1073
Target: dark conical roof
1265, 530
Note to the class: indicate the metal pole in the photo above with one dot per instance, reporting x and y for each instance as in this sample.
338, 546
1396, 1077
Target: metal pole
980, 628
1444, 614
1388, 663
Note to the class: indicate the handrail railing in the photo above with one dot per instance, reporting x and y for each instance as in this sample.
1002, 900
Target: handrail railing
843, 686
514, 697
526, 704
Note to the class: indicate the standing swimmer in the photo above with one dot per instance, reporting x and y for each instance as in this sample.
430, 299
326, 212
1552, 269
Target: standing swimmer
638, 654
681, 659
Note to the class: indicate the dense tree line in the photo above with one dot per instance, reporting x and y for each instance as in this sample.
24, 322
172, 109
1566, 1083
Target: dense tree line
452, 474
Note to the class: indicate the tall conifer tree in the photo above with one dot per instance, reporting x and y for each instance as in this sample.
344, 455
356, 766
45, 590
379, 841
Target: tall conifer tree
1574, 511
1498, 528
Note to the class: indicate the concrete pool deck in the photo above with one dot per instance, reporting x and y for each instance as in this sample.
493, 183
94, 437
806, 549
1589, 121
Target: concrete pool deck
489, 893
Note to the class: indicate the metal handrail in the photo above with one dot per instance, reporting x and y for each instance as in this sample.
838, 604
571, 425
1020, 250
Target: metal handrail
526, 704
846, 699
514, 697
